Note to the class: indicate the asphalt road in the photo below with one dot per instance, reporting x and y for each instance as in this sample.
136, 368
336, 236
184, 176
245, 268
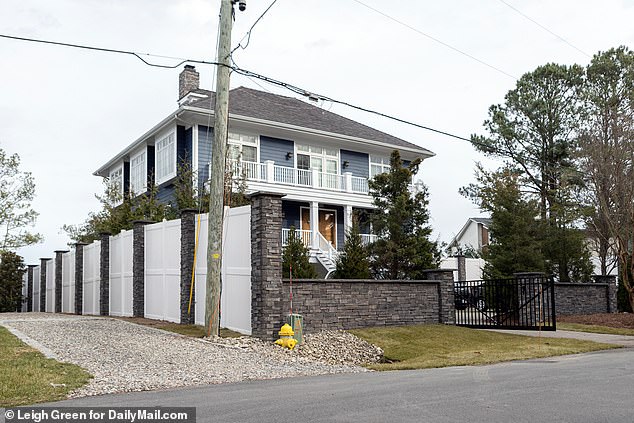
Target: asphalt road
595, 387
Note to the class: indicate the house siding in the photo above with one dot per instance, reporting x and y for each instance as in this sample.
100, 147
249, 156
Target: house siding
183, 146
275, 149
340, 228
291, 214
358, 163
165, 193
205, 136
126, 178
150, 165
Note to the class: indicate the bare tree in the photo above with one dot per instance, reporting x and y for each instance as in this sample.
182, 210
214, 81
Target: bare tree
606, 150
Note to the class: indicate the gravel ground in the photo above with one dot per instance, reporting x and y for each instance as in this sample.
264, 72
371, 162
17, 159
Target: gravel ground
125, 357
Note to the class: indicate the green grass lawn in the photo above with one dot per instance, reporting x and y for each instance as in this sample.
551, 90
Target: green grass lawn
27, 377
426, 346
577, 327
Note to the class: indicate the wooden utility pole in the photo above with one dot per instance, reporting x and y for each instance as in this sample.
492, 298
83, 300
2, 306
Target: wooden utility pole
217, 174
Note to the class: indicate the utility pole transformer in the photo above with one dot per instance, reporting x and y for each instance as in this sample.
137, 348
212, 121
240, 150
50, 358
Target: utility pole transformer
217, 176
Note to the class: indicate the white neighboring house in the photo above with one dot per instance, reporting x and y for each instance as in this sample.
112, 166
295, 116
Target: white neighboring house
473, 235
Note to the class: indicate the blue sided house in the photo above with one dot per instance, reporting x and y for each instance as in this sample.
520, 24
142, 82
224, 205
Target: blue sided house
321, 161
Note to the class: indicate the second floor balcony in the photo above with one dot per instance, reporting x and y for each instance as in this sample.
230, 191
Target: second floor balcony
271, 173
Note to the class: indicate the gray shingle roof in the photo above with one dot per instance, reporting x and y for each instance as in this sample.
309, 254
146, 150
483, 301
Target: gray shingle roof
277, 108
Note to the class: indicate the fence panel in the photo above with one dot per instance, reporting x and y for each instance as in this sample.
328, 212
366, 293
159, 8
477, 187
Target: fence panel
121, 255
36, 288
68, 282
92, 261
25, 292
162, 271
50, 286
235, 307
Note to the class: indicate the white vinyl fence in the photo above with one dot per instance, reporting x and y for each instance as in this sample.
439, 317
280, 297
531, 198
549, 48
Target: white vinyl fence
162, 270
36, 288
235, 307
50, 286
25, 291
121, 255
162, 273
92, 260
68, 282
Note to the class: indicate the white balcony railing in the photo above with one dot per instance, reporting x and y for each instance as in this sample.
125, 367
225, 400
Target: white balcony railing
303, 233
272, 173
368, 238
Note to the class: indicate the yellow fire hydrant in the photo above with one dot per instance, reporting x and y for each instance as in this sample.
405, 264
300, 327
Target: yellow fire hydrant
286, 337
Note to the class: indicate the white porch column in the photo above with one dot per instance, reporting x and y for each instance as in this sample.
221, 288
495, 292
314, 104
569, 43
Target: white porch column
348, 179
347, 219
315, 177
270, 171
314, 223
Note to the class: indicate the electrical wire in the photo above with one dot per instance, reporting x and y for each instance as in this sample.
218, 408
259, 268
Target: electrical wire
110, 50
248, 34
544, 28
418, 31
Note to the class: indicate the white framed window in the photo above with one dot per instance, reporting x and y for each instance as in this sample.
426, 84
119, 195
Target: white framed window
243, 147
165, 152
115, 180
138, 174
378, 165
318, 158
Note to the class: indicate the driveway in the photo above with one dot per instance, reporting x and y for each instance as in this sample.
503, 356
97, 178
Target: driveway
625, 341
124, 356
594, 387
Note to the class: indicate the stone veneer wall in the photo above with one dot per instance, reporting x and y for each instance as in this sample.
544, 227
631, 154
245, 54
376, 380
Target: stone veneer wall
351, 304
43, 284
104, 275
188, 244
585, 298
79, 277
138, 267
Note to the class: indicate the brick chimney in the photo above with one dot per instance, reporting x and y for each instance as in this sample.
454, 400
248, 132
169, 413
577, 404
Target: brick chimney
188, 81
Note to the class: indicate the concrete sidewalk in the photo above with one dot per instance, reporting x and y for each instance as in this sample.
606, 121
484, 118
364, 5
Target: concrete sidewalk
626, 341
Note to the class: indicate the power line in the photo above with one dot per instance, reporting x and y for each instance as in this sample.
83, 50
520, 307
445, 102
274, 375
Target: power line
110, 50
248, 34
249, 74
544, 28
464, 53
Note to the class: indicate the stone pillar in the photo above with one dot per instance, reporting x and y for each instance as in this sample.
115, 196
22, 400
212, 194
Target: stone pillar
79, 277
188, 244
446, 304
611, 290
58, 280
462, 267
266, 264
43, 283
138, 267
104, 275
29, 281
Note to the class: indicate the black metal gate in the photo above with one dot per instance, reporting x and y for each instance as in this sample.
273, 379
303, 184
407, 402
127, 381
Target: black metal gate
518, 303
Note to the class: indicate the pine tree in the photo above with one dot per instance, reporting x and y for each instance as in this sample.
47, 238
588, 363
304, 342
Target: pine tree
296, 255
403, 249
11, 272
353, 263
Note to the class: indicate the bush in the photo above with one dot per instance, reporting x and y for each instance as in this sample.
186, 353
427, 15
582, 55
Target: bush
11, 274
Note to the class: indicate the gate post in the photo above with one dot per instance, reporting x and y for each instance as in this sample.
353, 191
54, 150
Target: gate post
446, 301
611, 289
138, 267
79, 277
58, 280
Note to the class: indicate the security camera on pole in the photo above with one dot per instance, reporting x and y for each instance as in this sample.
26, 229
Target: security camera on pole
218, 151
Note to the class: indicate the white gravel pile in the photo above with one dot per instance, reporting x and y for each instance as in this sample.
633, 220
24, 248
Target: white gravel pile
328, 347
126, 357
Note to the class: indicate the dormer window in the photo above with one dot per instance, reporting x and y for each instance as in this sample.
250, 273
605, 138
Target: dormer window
165, 152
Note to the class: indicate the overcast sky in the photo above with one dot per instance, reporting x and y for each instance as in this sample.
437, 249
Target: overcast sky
66, 111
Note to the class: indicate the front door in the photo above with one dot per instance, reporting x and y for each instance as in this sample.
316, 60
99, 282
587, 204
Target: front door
327, 224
